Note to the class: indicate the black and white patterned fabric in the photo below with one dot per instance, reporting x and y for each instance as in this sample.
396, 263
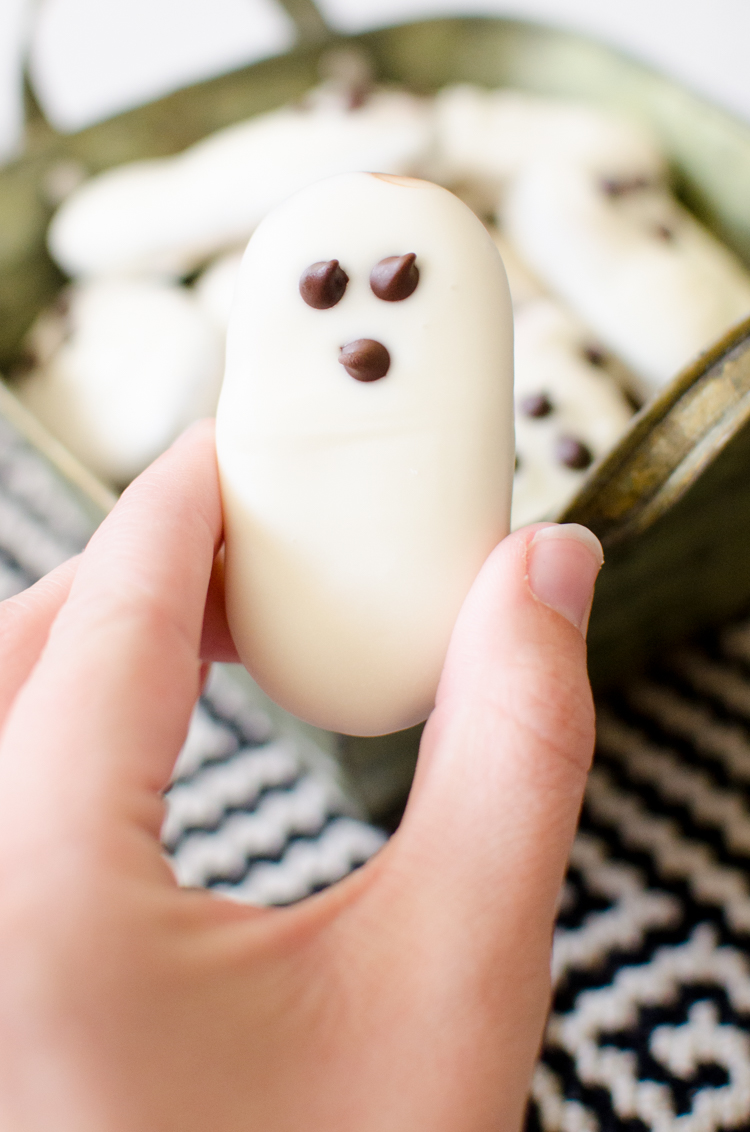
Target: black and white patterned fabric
650, 1024
256, 811
42, 522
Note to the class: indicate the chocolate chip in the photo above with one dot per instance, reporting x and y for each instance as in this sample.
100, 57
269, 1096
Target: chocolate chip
62, 302
572, 453
357, 95
623, 186
517, 464
595, 356
395, 278
322, 285
536, 405
365, 359
663, 233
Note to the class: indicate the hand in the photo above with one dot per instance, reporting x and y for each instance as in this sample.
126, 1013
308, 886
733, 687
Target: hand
410, 996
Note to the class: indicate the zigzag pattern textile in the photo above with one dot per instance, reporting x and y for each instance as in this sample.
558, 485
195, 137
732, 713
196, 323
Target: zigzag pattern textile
257, 813
41, 522
650, 1024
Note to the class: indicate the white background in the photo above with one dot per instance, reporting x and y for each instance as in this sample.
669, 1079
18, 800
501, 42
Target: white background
89, 59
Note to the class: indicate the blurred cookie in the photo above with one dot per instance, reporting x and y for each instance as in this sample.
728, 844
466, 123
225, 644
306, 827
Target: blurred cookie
612, 242
486, 138
170, 215
214, 289
134, 362
569, 409
523, 284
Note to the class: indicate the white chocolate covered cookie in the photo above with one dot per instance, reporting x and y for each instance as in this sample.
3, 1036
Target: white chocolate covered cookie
215, 288
486, 138
570, 410
649, 280
365, 444
123, 372
169, 215
521, 281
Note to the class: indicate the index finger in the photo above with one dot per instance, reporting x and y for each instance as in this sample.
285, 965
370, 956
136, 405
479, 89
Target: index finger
108, 705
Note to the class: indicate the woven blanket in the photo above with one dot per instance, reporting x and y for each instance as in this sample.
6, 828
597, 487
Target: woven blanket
649, 1023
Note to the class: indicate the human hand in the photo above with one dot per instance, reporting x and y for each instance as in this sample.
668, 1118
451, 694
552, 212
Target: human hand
411, 995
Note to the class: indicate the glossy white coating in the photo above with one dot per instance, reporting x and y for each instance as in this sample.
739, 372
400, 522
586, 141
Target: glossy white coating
357, 515
585, 401
650, 281
215, 288
486, 138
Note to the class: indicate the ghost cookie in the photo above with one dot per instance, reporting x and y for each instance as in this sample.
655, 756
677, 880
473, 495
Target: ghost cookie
612, 242
169, 216
569, 409
486, 138
120, 371
215, 287
365, 445
522, 283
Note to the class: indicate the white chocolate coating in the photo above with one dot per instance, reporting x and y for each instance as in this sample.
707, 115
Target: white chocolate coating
215, 288
357, 514
486, 138
649, 280
586, 404
167, 216
524, 286
139, 360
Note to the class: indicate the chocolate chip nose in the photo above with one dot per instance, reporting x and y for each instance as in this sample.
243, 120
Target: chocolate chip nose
365, 359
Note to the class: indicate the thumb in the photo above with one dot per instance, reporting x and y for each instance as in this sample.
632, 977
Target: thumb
506, 751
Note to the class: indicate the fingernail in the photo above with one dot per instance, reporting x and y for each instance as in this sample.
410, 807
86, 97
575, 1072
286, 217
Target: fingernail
563, 562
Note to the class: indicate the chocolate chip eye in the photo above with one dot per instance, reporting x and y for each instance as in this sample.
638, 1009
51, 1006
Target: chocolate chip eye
623, 186
573, 453
395, 278
536, 405
594, 356
322, 285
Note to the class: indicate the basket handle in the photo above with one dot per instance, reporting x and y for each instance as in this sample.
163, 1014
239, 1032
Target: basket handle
669, 444
312, 28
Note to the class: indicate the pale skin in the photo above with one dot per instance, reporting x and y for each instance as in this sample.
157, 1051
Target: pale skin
410, 996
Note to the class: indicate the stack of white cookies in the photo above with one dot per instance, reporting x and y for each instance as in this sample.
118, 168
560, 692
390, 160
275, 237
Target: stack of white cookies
615, 285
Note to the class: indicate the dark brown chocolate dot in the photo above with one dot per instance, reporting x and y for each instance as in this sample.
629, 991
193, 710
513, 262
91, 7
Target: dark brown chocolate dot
663, 233
357, 95
365, 359
61, 304
395, 278
595, 356
623, 186
572, 453
536, 405
323, 284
